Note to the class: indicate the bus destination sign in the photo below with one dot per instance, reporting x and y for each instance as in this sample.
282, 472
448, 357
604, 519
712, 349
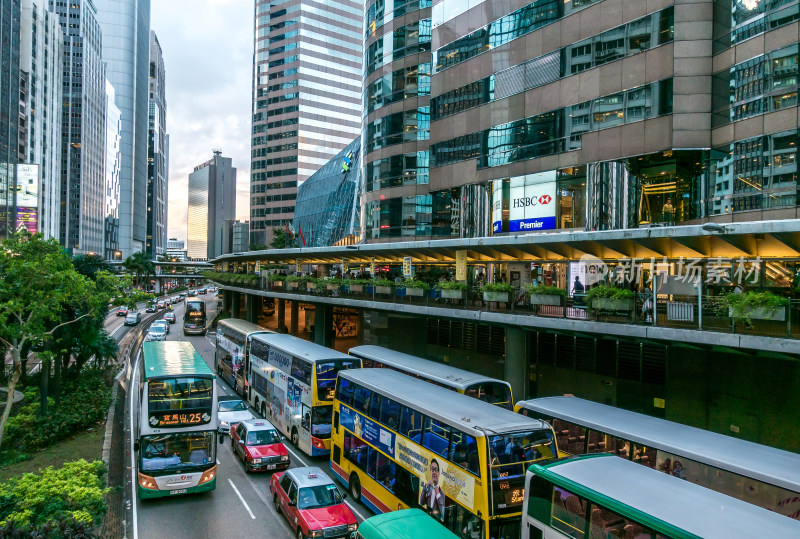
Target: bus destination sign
178, 419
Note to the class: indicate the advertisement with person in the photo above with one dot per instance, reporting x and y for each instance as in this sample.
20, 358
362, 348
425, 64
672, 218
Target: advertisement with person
26, 190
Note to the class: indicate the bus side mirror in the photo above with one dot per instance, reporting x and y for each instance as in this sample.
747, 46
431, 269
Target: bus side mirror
136, 447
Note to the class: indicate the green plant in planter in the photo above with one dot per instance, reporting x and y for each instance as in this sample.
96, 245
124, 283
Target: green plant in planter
322, 284
496, 287
451, 285
741, 306
276, 277
611, 292
381, 282
413, 283
544, 290
293, 279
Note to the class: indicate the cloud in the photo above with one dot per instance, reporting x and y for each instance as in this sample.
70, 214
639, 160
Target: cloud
207, 47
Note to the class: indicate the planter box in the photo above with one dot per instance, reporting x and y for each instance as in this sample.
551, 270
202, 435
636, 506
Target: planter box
762, 313
294, 284
310, 287
356, 288
452, 294
383, 289
276, 285
611, 304
419, 292
332, 286
496, 296
543, 299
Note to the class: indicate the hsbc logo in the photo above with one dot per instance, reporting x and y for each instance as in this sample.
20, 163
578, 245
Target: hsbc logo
545, 199
528, 202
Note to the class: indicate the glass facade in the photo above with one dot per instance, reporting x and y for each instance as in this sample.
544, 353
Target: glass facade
405, 126
632, 38
741, 20
402, 84
9, 111
555, 131
384, 11
433, 214
411, 39
327, 210
397, 170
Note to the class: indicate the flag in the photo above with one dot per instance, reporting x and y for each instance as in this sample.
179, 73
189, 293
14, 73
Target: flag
289, 231
292, 231
300, 231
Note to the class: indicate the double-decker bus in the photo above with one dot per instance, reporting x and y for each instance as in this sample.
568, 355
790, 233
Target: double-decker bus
177, 438
399, 442
292, 383
487, 389
194, 317
234, 336
601, 496
754, 473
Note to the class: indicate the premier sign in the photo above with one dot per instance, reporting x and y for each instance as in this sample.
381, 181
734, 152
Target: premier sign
530, 204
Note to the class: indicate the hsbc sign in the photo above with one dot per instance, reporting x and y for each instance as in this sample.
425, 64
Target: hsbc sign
526, 204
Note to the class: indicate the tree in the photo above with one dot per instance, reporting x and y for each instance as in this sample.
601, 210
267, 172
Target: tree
37, 280
89, 265
141, 266
281, 239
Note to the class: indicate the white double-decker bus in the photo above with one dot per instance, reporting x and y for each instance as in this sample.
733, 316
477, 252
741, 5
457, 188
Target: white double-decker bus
177, 438
292, 383
234, 337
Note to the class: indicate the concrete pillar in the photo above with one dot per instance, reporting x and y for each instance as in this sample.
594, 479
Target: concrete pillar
253, 308
226, 301
281, 315
516, 364
157, 285
323, 325
235, 304
295, 311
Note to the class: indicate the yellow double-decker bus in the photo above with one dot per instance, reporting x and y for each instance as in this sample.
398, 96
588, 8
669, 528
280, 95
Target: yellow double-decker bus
399, 442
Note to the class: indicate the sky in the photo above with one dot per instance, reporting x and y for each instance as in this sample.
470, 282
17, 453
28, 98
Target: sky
207, 47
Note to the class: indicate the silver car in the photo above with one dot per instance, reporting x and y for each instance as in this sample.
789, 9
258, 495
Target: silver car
156, 333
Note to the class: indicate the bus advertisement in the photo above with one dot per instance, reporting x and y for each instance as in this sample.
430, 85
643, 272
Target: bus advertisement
177, 428
292, 383
231, 356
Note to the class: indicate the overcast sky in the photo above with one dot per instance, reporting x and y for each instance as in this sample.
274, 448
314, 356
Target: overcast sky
207, 46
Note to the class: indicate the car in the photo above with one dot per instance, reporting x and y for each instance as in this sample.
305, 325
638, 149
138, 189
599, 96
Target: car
162, 323
151, 308
170, 317
155, 333
259, 446
231, 411
132, 319
175, 300
192, 292
122, 311
161, 304
202, 291
181, 297
315, 507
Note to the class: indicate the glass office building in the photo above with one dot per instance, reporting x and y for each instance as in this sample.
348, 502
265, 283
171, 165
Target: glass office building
327, 211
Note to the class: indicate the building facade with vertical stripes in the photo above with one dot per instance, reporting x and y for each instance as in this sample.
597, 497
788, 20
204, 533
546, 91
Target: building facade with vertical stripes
307, 64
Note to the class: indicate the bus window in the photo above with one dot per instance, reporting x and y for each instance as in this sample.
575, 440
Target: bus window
606, 523
491, 392
463, 522
569, 514
375, 407
570, 438
361, 399
644, 455
355, 450
597, 442
386, 473
390, 413
406, 487
301, 370
410, 424
464, 452
326, 376
372, 462
345, 393
436, 437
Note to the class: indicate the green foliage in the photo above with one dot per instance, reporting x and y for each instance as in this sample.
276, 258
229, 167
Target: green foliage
544, 290
496, 287
54, 497
451, 285
607, 291
89, 265
293, 278
276, 277
84, 405
381, 282
282, 239
322, 284
413, 283
741, 306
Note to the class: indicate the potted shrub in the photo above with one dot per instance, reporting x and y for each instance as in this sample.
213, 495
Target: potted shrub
415, 288
382, 286
610, 298
293, 281
496, 292
541, 294
451, 289
276, 281
756, 306
356, 285
332, 283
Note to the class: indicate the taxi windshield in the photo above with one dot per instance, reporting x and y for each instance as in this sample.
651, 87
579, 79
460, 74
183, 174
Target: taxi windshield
262, 437
318, 496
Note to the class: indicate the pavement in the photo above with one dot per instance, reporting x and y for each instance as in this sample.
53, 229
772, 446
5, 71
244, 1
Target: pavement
241, 505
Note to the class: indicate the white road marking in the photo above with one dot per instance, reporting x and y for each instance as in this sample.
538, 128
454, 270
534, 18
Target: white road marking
119, 327
236, 490
134, 482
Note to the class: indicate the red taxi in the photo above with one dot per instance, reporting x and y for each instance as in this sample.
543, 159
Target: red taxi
259, 445
312, 503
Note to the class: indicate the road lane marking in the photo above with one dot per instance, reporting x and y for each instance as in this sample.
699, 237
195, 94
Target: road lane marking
134, 482
119, 327
236, 490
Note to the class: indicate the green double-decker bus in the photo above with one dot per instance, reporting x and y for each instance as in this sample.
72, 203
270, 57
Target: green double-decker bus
403, 524
176, 442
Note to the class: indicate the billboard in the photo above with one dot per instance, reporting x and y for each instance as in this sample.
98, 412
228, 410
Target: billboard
524, 203
26, 191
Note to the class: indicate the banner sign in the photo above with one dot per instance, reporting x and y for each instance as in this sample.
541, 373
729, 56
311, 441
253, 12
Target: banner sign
368, 430
372, 266
298, 266
528, 201
461, 265
407, 266
258, 267
456, 483
345, 265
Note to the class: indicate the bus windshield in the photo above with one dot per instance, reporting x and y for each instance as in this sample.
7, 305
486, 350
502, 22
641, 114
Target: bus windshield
509, 457
184, 393
321, 417
171, 451
492, 392
326, 376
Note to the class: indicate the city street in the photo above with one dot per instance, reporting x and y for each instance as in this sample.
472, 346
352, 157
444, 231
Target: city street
241, 504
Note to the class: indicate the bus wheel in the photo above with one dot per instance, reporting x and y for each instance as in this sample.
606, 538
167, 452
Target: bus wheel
277, 503
295, 438
355, 487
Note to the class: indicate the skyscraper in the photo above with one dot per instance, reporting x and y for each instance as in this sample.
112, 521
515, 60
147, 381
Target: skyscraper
212, 201
82, 219
112, 167
157, 156
126, 50
306, 100
9, 111
40, 56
